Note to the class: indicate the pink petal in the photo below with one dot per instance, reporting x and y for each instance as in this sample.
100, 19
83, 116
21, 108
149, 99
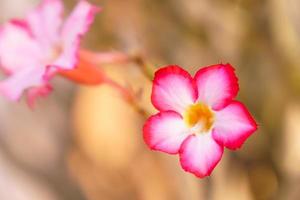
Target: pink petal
14, 85
173, 89
18, 49
199, 154
217, 85
45, 22
233, 125
165, 132
76, 25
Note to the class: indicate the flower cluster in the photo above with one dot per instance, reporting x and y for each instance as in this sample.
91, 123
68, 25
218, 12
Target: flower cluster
34, 49
197, 116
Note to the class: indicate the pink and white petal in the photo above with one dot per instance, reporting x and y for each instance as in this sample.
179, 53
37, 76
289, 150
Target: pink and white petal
76, 25
45, 22
233, 125
14, 86
67, 59
173, 89
199, 154
217, 85
18, 49
165, 132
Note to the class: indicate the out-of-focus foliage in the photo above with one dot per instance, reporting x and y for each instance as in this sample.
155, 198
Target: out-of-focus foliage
87, 143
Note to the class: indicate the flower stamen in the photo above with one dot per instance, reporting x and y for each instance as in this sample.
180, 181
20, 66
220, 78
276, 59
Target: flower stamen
199, 115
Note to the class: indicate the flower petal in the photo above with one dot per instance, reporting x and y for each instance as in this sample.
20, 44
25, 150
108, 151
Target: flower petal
173, 89
18, 49
233, 125
14, 85
76, 25
217, 85
199, 154
165, 132
45, 22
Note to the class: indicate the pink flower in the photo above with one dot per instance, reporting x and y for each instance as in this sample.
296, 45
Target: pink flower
32, 50
197, 116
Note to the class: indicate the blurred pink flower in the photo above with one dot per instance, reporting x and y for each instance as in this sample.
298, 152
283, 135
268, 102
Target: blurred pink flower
34, 49
198, 116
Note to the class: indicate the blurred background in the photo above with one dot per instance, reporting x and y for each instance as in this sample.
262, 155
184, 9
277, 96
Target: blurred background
86, 142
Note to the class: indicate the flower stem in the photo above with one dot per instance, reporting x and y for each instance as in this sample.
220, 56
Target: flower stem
94, 59
128, 96
115, 57
147, 69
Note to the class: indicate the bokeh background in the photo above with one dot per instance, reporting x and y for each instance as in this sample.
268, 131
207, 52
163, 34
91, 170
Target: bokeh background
86, 142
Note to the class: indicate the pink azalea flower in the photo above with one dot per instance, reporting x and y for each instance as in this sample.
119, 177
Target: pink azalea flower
197, 116
33, 49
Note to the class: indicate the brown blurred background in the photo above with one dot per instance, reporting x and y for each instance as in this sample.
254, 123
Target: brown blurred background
86, 143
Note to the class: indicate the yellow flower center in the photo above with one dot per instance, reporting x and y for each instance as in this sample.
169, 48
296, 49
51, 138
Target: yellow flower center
199, 116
